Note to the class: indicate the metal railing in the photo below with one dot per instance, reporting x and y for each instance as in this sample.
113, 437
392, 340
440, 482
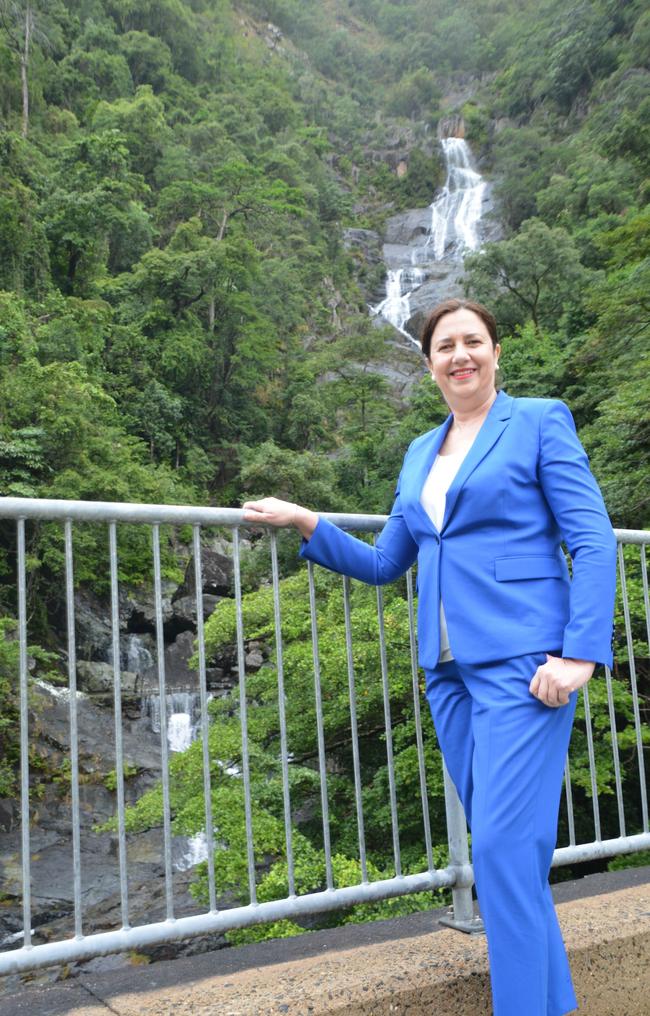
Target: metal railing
457, 875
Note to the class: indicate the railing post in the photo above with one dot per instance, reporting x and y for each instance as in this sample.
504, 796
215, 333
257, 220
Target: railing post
461, 913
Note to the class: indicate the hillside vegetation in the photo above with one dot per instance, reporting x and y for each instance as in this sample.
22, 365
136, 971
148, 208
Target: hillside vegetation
173, 277
182, 322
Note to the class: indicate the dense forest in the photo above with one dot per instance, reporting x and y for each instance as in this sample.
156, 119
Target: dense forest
182, 322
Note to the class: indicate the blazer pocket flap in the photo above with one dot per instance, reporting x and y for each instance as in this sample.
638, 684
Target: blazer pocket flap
535, 566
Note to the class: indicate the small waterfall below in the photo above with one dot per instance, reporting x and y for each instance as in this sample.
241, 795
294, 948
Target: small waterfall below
424, 248
396, 308
183, 710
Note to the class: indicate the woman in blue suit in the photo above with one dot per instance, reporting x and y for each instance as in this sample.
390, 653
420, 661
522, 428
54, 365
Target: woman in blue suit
506, 637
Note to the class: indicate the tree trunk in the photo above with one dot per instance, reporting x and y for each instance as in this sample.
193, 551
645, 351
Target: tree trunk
24, 64
223, 224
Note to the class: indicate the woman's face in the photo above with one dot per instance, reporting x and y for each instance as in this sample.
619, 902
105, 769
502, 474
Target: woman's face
462, 359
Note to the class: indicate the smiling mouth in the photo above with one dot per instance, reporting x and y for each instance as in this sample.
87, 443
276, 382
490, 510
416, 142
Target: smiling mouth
465, 372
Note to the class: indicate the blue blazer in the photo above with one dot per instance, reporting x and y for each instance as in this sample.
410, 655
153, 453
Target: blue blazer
523, 488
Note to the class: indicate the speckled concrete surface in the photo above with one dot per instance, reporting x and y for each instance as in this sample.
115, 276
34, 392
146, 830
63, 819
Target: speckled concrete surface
441, 973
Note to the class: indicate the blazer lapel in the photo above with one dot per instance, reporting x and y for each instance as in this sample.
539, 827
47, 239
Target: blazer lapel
493, 426
427, 458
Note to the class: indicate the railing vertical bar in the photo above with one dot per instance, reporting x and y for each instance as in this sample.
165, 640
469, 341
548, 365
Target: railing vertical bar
243, 716
74, 747
117, 712
279, 664
592, 763
615, 755
461, 895
569, 803
319, 729
205, 726
635, 692
356, 762
418, 721
24, 734
284, 753
646, 597
389, 732
164, 750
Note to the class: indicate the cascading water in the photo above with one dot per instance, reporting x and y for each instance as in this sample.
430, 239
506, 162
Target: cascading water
451, 231
183, 719
396, 308
137, 657
456, 212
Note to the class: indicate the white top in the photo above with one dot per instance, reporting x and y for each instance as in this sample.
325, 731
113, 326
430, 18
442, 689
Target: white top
434, 499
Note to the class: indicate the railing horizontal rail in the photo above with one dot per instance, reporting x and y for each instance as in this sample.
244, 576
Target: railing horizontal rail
53, 510
102, 943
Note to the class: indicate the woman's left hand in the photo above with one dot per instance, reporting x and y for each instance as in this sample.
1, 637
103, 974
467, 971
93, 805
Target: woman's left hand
558, 677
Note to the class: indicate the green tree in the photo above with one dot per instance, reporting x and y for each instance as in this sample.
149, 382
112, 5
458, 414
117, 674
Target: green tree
535, 276
92, 206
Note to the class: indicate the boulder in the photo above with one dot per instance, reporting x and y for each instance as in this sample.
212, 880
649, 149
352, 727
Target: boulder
254, 659
93, 632
184, 610
216, 574
138, 606
178, 672
9, 813
97, 679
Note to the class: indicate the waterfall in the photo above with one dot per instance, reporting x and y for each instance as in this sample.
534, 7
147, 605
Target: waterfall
183, 721
137, 657
449, 231
456, 212
195, 851
183, 716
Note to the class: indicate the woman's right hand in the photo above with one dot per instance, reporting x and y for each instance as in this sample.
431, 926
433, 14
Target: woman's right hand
271, 511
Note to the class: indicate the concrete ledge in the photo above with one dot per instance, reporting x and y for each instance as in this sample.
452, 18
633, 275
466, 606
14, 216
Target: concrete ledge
416, 969
440, 974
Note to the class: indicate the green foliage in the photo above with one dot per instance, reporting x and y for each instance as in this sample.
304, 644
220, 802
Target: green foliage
301, 731
9, 707
534, 276
638, 860
110, 780
533, 363
40, 665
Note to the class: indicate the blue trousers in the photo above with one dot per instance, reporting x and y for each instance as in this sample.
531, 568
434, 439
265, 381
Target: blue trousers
505, 752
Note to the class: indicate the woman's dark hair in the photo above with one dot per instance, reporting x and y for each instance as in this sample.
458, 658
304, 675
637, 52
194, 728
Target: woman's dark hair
448, 307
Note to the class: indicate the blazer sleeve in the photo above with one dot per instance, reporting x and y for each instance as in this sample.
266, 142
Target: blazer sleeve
393, 553
577, 504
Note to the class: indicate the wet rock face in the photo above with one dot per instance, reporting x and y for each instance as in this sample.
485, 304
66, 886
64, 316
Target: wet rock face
92, 625
98, 678
184, 610
50, 827
406, 230
364, 240
216, 575
138, 607
177, 656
